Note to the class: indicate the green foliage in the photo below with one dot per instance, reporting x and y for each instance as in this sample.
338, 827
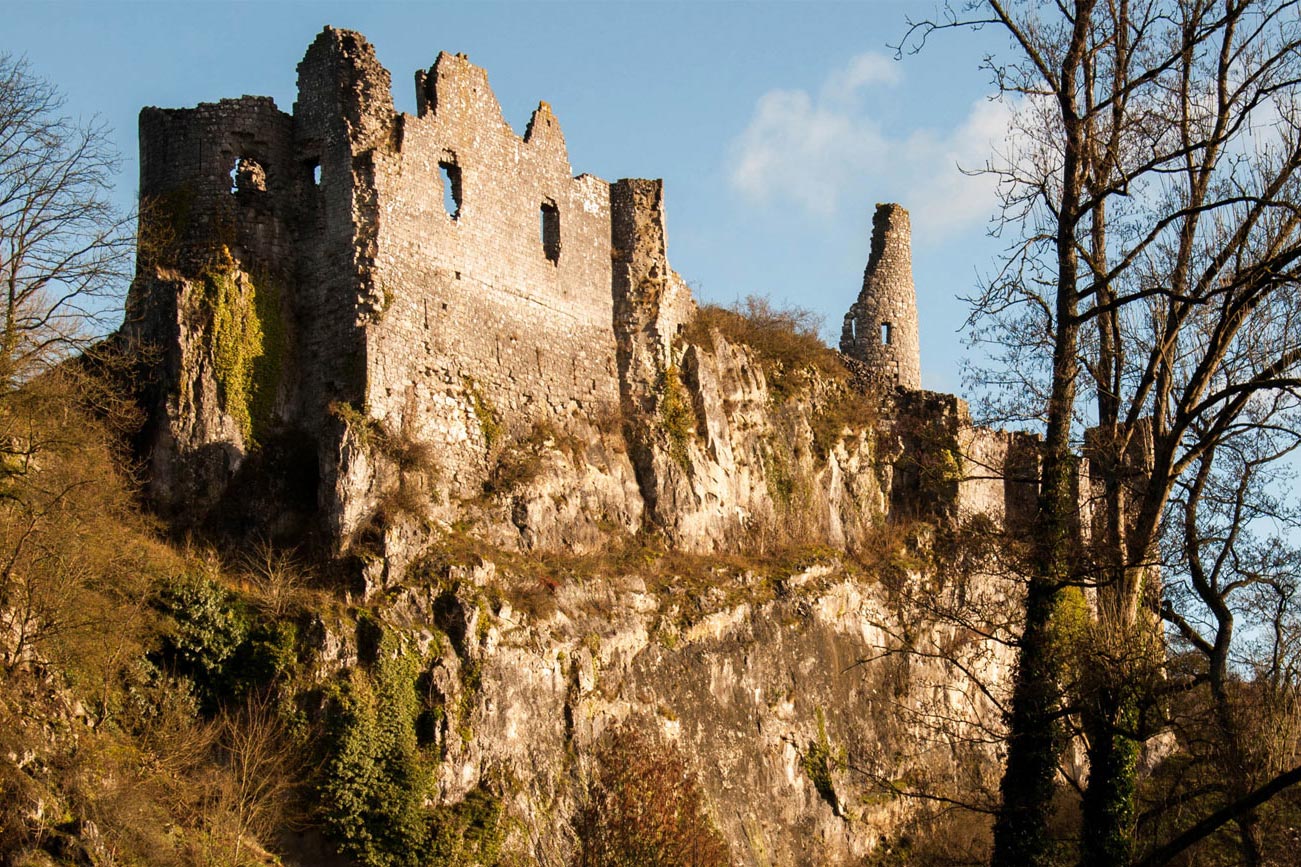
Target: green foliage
268, 367
470, 833
247, 341
375, 779
215, 639
817, 763
676, 414
365, 430
489, 424
1069, 626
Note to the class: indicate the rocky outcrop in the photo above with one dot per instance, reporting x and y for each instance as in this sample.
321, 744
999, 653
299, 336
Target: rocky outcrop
791, 692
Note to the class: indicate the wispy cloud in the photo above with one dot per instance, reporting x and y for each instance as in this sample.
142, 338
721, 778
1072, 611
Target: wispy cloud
821, 151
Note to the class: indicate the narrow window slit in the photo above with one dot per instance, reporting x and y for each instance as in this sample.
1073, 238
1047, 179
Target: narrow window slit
451, 173
549, 225
886, 333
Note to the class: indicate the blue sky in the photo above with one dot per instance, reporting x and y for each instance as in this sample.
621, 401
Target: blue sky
776, 126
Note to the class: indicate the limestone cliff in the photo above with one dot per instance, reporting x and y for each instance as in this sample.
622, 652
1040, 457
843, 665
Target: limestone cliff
809, 698
420, 346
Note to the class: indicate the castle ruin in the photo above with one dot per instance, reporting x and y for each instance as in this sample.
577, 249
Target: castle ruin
881, 326
388, 313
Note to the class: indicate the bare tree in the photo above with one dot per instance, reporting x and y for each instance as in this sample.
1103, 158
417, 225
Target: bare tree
64, 247
260, 772
1152, 189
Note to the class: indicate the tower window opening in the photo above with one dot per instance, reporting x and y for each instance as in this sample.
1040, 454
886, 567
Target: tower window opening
549, 224
451, 173
247, 175
316, 172
887, 333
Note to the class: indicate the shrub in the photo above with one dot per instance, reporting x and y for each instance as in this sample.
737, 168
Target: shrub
645, 808
470, 833
214, 639
521, 462
785, 339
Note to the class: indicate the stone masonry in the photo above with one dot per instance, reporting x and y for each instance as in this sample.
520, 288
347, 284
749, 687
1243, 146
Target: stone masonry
881, 326
379, 312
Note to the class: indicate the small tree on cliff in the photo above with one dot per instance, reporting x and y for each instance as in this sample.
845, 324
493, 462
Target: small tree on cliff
64, 248
1153, 184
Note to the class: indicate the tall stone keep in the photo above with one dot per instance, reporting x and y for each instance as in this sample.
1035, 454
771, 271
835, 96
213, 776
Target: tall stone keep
881, 326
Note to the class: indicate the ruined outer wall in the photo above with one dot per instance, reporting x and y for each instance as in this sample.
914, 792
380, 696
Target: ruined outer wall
343, 112
471, 301
949, 468
192, 222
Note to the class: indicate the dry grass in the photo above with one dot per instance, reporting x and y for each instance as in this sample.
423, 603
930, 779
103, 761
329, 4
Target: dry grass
785, 339
797, 364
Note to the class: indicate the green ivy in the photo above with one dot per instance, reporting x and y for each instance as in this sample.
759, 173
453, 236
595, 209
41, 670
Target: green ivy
375, 779
469, 833
247, 339
817, 763
365, 430
268, 367
489, 424
215, 639
677, 415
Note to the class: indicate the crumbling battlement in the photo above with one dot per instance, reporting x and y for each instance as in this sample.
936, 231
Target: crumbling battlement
391, 316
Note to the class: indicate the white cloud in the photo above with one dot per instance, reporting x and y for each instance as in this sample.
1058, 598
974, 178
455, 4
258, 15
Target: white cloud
844, 85
820, 152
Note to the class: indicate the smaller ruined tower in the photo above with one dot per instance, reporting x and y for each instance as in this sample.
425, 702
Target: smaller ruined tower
881, 326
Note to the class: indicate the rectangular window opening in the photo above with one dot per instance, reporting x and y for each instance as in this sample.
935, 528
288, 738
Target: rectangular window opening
886, 333
549, 225
451, 173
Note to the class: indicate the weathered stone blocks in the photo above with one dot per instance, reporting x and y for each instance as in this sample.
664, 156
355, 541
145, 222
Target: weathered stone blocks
447, 299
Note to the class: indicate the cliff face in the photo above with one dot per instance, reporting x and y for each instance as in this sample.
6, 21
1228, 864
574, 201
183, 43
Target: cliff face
808, 699
424, 346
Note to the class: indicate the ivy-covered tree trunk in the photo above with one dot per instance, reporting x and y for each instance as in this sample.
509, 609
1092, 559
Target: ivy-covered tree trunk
1108, 837
1021, 837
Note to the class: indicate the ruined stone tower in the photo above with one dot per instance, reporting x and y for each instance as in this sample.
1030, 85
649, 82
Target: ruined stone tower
881, 326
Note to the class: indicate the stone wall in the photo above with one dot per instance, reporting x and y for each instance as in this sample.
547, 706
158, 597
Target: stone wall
467, 331
473, 309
